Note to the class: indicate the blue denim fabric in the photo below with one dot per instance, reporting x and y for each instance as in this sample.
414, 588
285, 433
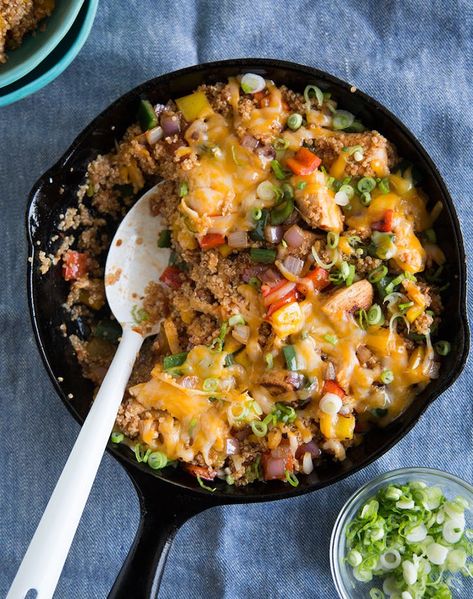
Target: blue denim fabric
413, 56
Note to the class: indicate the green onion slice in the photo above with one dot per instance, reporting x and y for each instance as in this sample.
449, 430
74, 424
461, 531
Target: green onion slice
313, 91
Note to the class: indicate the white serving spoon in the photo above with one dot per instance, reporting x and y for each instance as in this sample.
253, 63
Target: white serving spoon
133, 261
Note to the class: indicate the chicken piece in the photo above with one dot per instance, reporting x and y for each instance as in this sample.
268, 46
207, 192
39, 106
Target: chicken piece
357, 296
318, 208
376, 148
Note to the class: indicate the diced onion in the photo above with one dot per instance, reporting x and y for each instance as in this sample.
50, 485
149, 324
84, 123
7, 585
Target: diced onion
330, 404
154, 135
273, 234
294, 236
390, 559
249, 142
294, 265
241, 333
436, 553
417, 534
238, 239
170, 124
232, 446
265, 191
307, 463
409, 572
252, 84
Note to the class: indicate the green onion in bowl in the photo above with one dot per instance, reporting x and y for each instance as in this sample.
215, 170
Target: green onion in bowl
406, 535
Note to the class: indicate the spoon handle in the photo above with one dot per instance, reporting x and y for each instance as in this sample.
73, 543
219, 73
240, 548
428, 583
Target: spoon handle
48, 549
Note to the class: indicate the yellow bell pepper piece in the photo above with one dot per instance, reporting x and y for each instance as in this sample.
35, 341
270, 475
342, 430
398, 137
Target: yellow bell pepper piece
414, 293
326, 423
345, 427
337, 427
379, 168
231, 344
195, 106
243, 359
136, 176
287, 320
337, 169
413, 313
225, 250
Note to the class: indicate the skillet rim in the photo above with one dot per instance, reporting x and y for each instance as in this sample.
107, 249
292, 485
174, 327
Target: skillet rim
448, 378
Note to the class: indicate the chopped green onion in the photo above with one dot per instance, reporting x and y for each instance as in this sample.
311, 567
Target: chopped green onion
301, 184
117, 437
139, 315
344, 269
211, 385
268, 358
164, 239
374, 315
252, 83
333, 339
405, 306
361, 318
277, 169
443, 348
290, 357
383, 185
377, 274
157, 460
263, 255
351, 275
291, 478
280, 144
288, 190
332, 239
174, 360
342, 119
147, 116
256, 213
257, 234
365, 198
366, 184
217, 343
236, 319
395, 283
203, 485
387, 377
140, 454
282, 212
347, 190
183, 189
314, 91
294, 121
259, 428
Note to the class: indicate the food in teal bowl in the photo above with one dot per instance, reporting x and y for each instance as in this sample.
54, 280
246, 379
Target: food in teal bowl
29, 31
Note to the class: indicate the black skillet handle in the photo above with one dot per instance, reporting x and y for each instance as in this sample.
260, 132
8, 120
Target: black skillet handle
163, 511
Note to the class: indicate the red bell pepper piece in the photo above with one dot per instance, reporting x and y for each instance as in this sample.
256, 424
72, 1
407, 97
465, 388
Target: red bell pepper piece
211, 240
304, 162
171, 277
314, 279
75, 265
287, 299
333, 387
385, 225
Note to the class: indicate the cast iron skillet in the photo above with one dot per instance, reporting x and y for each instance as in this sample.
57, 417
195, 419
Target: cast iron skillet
171, 497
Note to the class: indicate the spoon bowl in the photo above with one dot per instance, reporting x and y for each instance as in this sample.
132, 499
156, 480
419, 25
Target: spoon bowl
134, 260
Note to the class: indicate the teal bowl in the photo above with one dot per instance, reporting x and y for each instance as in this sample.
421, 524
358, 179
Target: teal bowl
36, 47
57, 61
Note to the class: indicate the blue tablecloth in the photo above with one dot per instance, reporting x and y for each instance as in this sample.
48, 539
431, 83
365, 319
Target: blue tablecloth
413, 56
